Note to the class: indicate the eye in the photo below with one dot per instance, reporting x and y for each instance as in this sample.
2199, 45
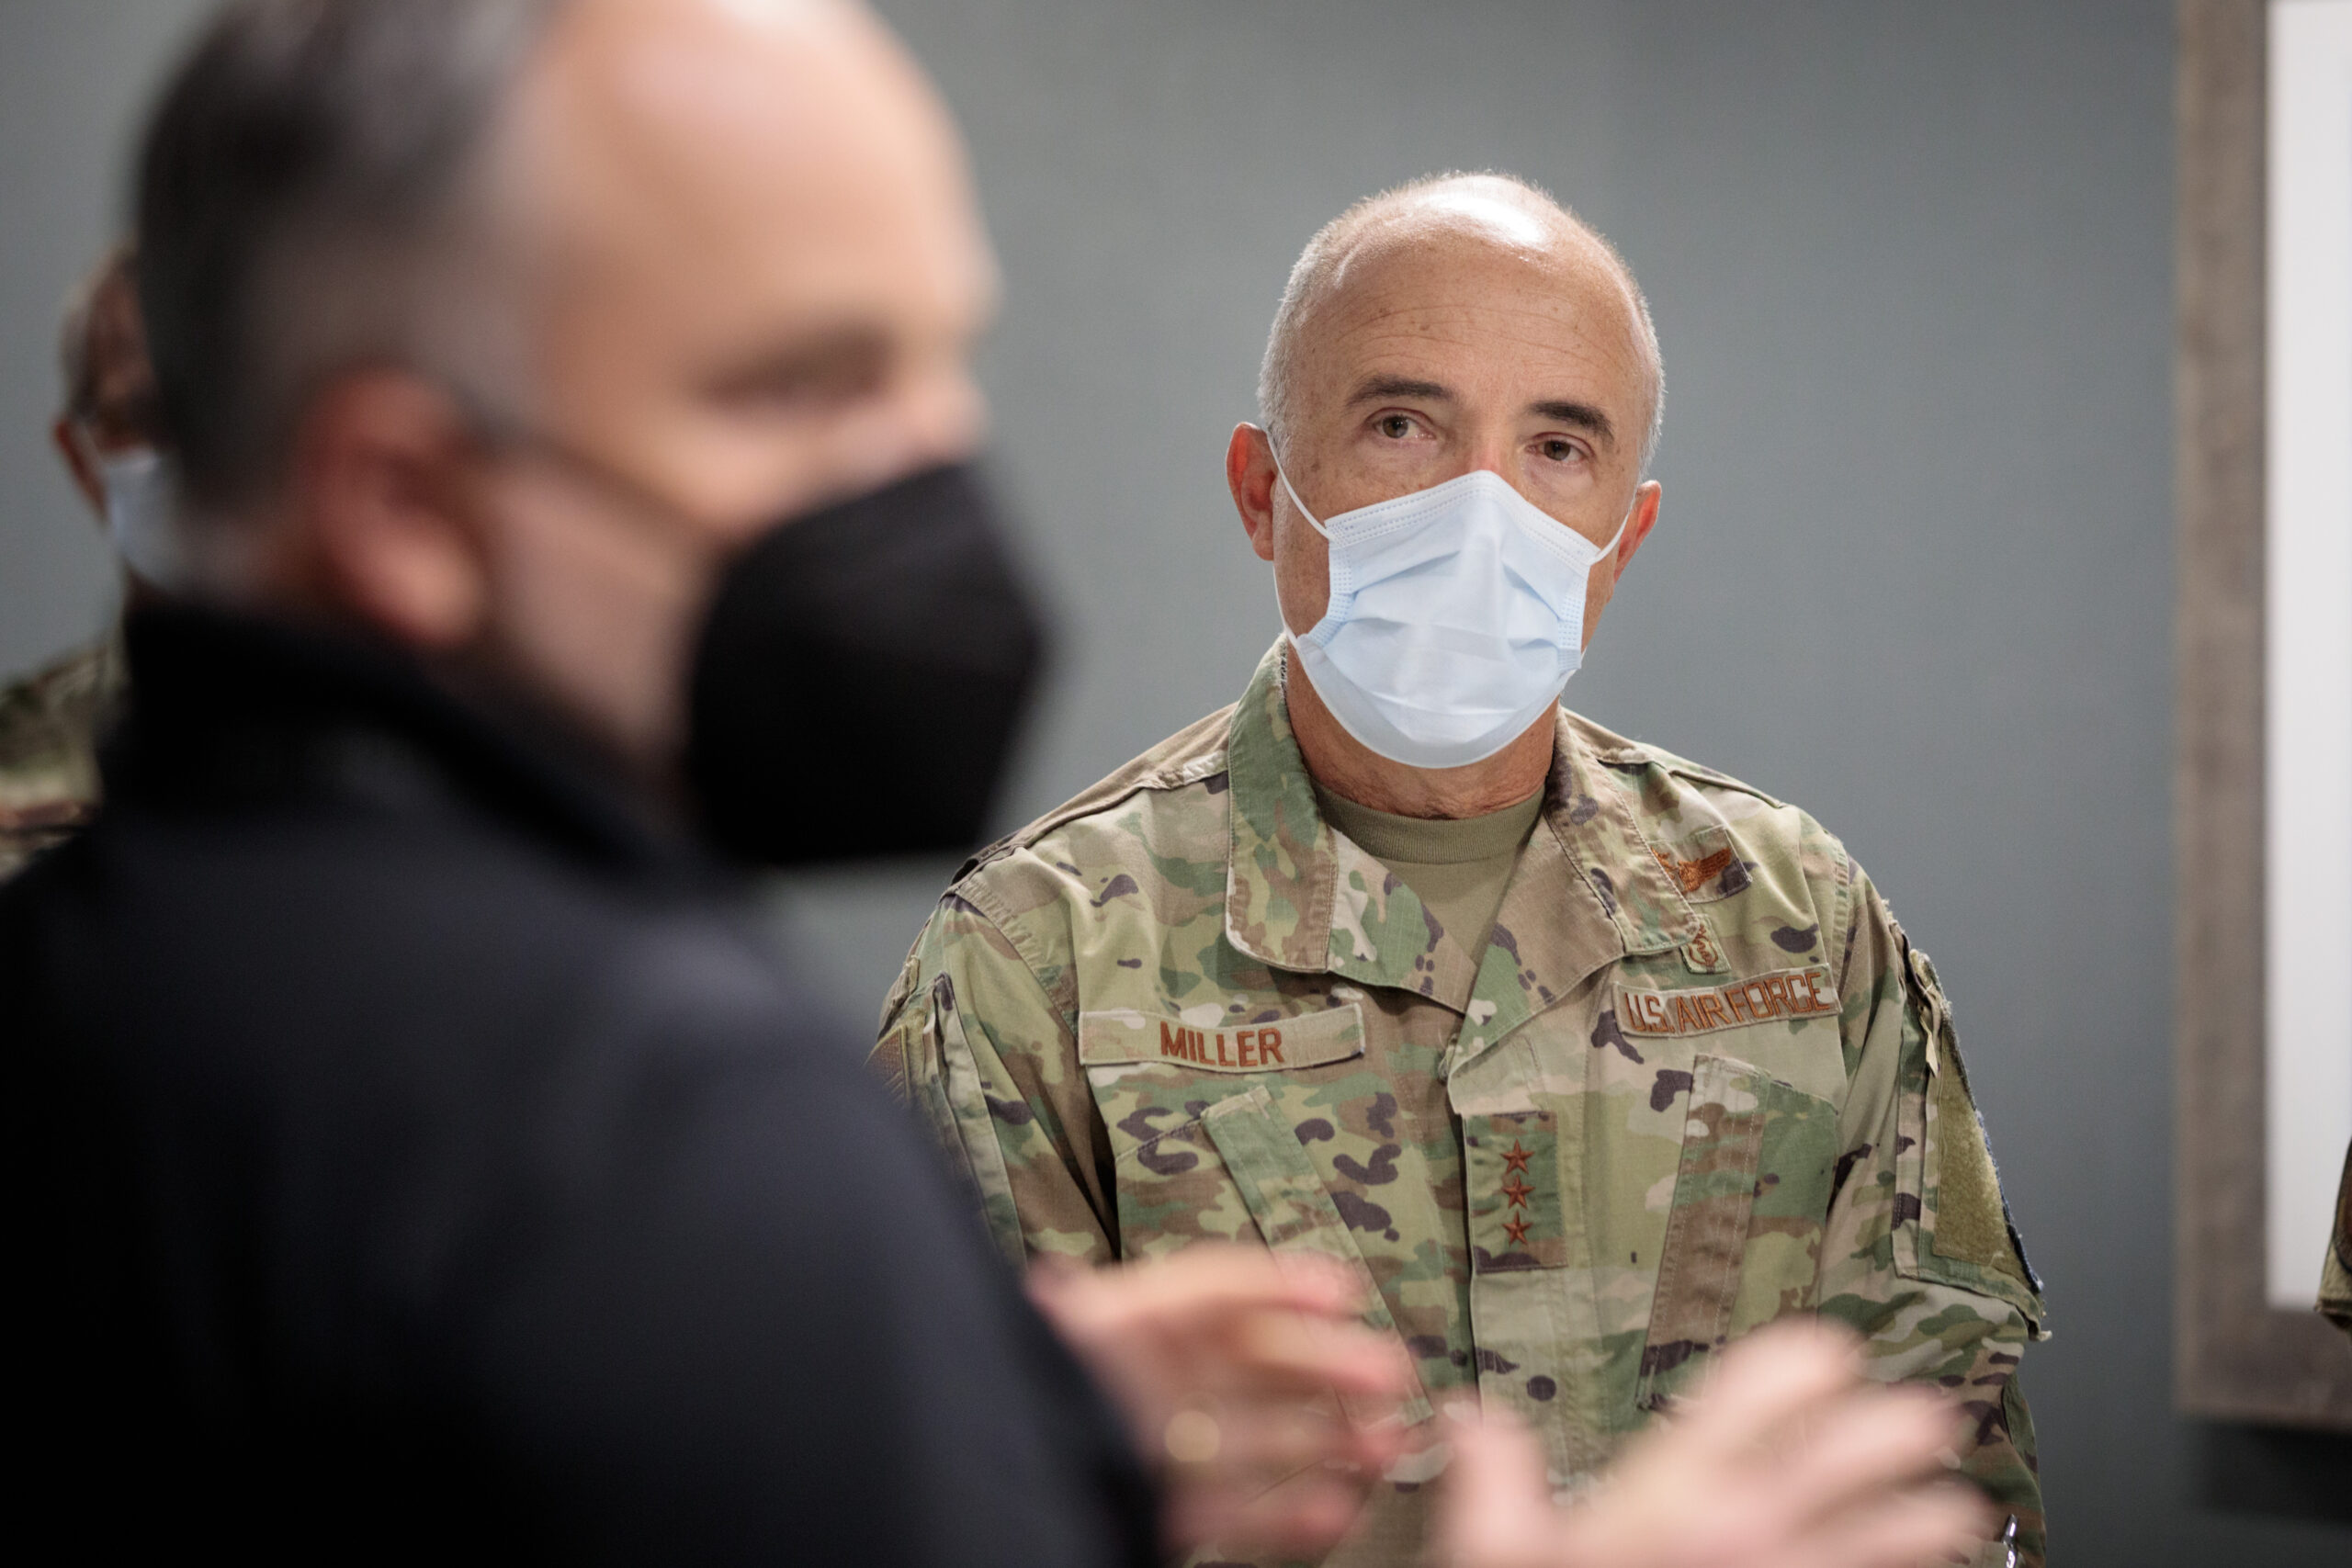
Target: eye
1396, 426
1560, 449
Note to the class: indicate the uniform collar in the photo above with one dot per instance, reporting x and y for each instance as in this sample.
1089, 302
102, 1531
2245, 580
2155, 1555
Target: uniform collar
1587, 891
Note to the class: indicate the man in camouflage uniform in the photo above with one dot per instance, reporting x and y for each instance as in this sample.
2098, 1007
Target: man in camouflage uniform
1591, 1058
50, 718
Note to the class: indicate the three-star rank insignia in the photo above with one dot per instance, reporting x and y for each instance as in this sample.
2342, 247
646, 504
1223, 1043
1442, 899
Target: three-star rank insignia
1512, 1181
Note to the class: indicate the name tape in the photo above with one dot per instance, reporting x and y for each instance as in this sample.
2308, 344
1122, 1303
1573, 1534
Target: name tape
1120, 1036
1783, 995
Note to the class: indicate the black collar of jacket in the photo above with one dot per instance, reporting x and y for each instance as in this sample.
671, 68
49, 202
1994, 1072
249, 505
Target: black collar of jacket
231, 711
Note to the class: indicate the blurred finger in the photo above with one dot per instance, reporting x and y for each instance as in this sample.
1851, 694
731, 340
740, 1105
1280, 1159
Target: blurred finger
1873, 1440
1215, 1280
1268, 1440
1768, 1385
1305, 1513
1494, 1509
1284, 1350
1906, 1530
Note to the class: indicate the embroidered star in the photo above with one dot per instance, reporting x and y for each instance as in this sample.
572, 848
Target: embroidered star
1518, 1158
1518, 1191
1517, 1230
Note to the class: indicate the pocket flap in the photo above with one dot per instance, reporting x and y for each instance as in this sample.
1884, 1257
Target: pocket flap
1121, 1036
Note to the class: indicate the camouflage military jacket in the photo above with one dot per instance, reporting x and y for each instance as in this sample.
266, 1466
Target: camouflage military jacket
2335, 1272
1697, 1080
48, 769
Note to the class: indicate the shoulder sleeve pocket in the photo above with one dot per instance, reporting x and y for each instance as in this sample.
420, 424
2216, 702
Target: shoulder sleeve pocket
1952, 1223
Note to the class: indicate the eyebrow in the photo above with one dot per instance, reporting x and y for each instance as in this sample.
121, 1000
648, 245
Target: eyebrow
1583, 416
832, 359
1374, 388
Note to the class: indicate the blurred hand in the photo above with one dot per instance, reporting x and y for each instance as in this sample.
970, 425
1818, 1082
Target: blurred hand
1268, 1408
1789, 1459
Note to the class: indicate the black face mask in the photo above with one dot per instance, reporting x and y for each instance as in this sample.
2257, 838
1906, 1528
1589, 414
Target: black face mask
860, 678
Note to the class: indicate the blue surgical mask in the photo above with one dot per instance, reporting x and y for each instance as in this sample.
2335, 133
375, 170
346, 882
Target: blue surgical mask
142, 497
1455, 619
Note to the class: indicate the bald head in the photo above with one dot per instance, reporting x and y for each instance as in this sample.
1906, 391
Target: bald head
1497, 214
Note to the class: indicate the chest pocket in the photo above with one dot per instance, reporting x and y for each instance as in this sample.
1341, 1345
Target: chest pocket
1205, 1135
1743, 1236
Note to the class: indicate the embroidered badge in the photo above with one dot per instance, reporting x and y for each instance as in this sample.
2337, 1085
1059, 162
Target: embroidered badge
1785, 994
1701, 954
1692, 874
1514, 1189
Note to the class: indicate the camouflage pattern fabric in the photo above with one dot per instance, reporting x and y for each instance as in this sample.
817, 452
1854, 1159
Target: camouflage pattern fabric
48, 770
2335, 1274
1697, 1080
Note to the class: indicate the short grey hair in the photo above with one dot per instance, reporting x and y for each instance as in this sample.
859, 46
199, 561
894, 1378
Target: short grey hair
306, 205
1312, 277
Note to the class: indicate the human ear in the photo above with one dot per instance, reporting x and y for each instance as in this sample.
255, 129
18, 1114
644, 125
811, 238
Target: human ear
1601, 586
1250, 474
380, 500
1638, 523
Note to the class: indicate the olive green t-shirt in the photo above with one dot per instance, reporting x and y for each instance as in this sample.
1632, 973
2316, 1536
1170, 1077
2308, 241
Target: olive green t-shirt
1457, 866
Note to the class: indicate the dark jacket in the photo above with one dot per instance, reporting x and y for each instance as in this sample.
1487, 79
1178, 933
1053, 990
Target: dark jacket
409, 1149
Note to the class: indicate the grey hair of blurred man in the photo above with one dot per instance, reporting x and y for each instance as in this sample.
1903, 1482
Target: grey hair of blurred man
1322, 265
315, 194
497, 328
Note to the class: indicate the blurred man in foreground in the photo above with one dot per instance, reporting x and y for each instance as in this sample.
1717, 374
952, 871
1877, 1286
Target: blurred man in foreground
1589, 1058
50, 721
410, 1149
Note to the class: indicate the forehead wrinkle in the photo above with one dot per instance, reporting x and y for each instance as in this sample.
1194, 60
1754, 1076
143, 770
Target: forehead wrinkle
1572, 296
1434, 311
1563, 299
1404, 331
1395, 346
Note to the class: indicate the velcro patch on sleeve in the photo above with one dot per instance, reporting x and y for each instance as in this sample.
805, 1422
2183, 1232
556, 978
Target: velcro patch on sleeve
1783, 995
1123, 1036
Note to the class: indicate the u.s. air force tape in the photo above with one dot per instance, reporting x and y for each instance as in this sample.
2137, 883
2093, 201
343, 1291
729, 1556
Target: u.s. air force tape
1783, 995
1120, 1036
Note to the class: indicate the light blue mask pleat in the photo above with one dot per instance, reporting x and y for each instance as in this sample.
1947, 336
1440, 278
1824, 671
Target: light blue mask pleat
1455, 619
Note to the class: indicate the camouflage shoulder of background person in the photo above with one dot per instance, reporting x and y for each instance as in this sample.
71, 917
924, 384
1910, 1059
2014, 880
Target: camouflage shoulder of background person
922, 1052
1698, 1078
2335, 1274
50, 725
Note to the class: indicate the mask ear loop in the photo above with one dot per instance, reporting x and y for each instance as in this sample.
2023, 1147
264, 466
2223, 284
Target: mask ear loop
1619, 537
1289, 634
1280, 474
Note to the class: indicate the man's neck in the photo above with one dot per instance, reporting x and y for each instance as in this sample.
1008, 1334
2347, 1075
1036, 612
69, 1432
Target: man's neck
1348, 767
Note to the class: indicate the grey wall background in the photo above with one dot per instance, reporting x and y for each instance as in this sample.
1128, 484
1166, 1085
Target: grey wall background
72, 76
1911, 263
